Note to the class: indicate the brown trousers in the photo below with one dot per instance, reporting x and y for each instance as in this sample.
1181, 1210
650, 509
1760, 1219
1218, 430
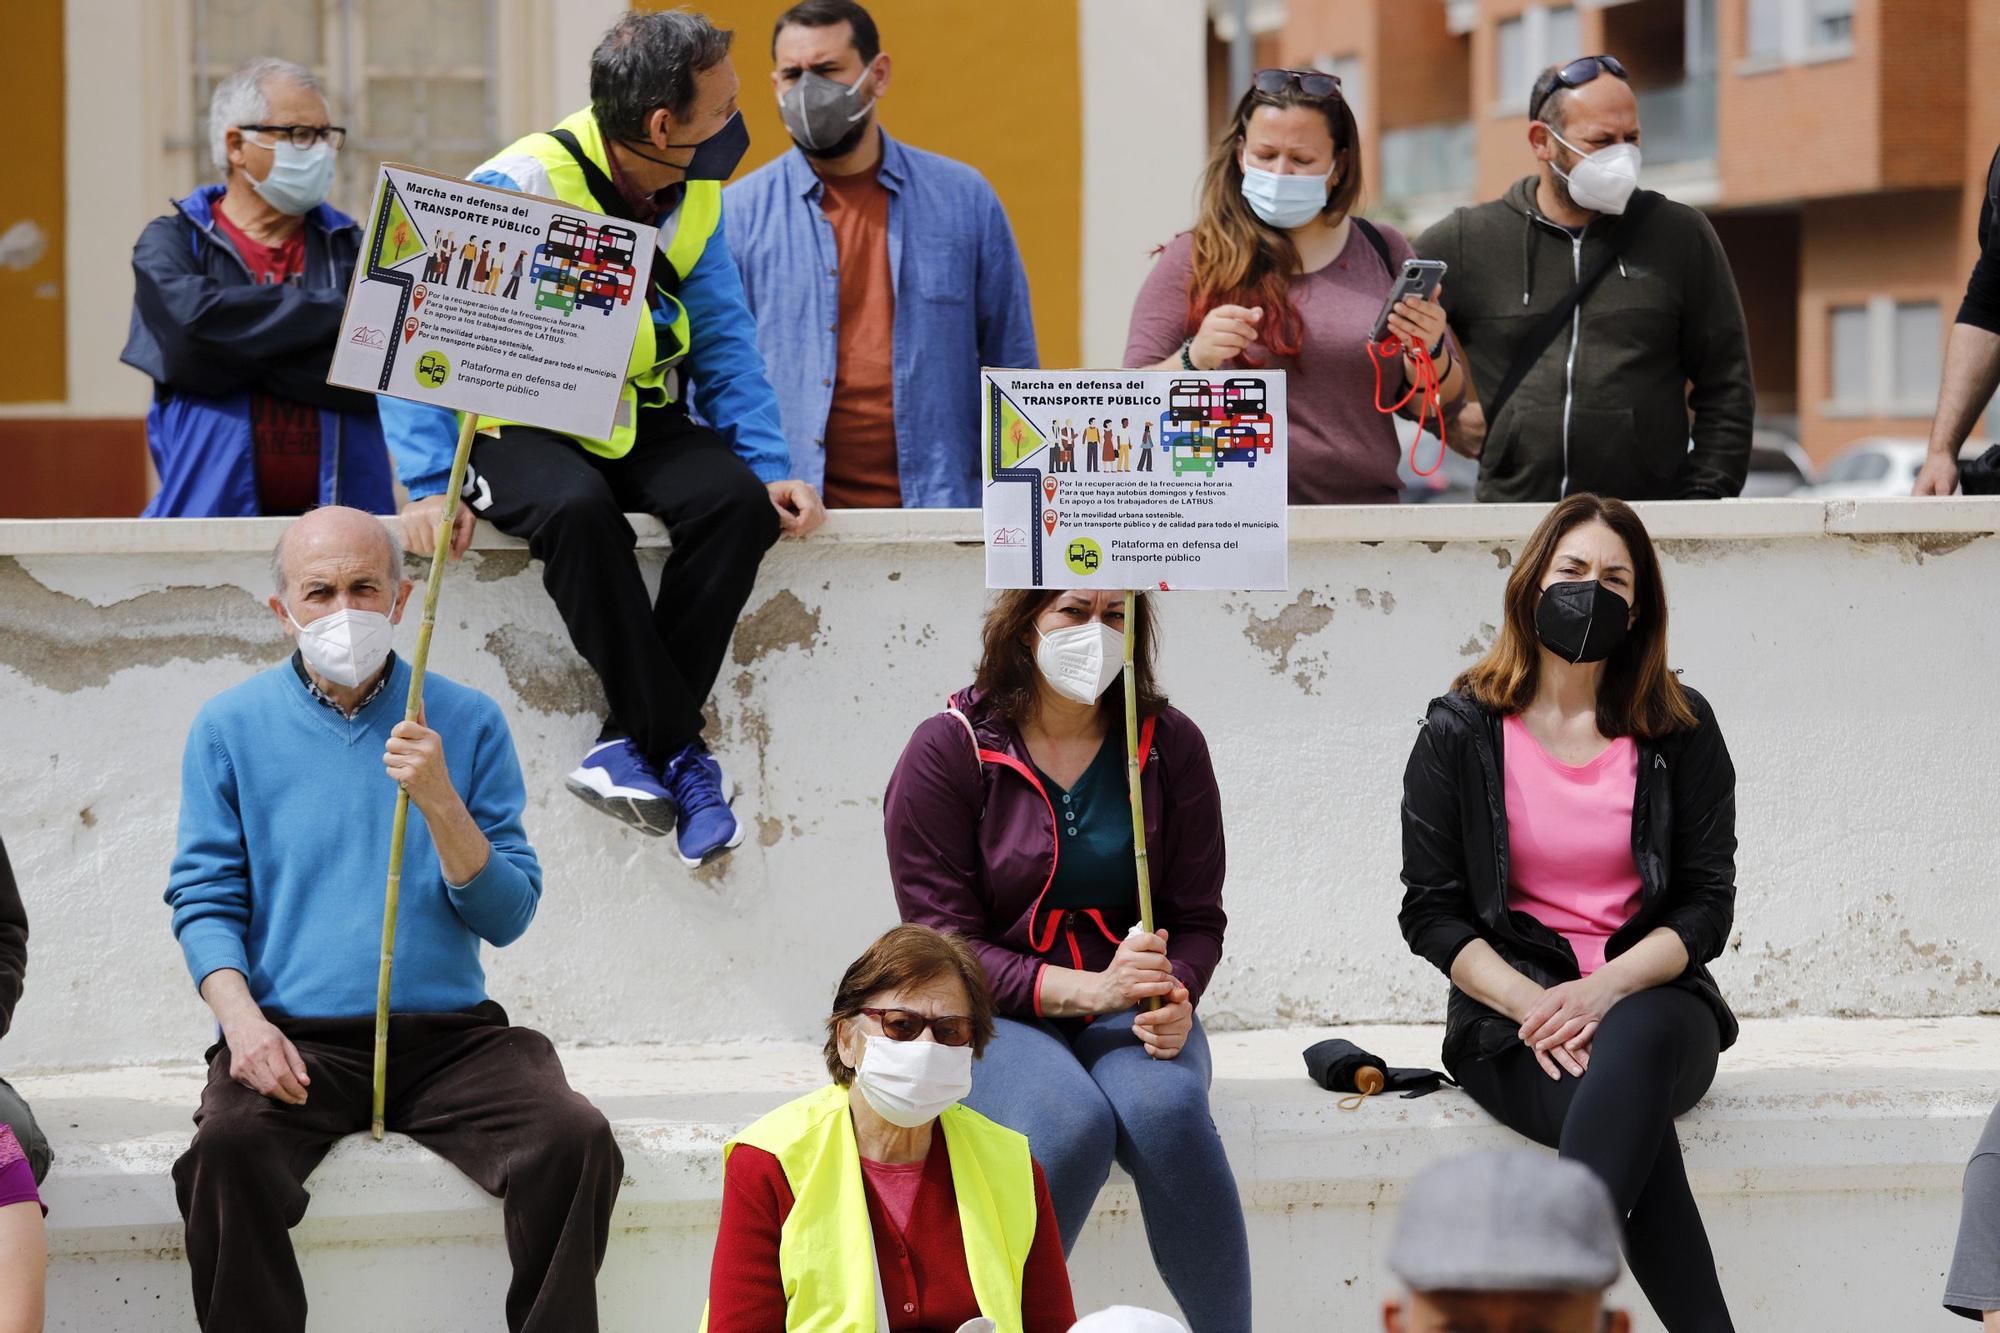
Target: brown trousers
488, 1098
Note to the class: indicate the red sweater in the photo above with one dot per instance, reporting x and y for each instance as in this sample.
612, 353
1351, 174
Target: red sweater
925, 1280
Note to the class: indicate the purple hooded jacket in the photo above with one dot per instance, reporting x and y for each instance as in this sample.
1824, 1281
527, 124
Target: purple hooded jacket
972, 848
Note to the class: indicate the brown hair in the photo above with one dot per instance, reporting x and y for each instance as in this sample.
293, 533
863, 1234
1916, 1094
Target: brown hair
1240, 260
1638, 696
1010, 681
906, 956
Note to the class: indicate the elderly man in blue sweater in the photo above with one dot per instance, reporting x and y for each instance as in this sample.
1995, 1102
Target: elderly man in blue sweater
288, 788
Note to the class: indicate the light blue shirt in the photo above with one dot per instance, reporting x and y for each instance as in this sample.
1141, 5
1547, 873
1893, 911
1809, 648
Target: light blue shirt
284, 839
961, 303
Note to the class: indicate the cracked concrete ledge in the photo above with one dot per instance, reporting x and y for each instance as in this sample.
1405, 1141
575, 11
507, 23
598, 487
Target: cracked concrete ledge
1719, 520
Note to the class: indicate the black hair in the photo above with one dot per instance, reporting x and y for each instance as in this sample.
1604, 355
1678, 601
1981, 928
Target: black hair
826, 13
649, 61
1545, 99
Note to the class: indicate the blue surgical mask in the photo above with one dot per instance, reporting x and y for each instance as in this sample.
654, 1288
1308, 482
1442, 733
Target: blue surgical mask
1284, 202
299, 177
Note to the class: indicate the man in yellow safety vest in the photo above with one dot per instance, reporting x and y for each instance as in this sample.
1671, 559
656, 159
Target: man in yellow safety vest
660, 136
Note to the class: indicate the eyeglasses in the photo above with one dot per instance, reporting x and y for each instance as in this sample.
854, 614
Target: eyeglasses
908, 1025
1574, 75
1311, 82
304, 136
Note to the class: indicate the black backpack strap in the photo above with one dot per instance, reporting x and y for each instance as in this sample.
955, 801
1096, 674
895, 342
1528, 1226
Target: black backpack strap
610, 201
1374, 235
1545, 330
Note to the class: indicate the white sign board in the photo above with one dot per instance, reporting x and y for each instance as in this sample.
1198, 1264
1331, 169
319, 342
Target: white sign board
1134, 479
496, 303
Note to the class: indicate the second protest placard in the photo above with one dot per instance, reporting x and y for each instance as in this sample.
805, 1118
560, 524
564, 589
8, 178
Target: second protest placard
1134, 479
496, 303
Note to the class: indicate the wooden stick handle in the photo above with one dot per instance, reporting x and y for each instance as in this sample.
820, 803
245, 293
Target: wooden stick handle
413, 707
1132, 787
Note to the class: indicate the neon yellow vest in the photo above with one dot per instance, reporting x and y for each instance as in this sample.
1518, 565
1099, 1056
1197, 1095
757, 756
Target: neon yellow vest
646, 371
826, 1249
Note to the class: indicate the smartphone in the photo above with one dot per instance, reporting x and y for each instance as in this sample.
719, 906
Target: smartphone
1420, 278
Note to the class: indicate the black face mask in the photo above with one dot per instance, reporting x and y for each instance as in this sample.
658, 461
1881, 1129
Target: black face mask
1581, 622
715, 158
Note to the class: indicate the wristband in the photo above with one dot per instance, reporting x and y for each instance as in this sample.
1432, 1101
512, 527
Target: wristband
1187, 362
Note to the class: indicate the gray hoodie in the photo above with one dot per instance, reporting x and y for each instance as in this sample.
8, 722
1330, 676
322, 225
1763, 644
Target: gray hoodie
1607, 406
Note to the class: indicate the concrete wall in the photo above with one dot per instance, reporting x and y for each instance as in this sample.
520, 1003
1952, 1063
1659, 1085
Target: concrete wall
1841, 645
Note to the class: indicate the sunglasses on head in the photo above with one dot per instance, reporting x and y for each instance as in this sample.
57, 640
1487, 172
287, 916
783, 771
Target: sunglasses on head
1574, 75
908, 1025
1311, 82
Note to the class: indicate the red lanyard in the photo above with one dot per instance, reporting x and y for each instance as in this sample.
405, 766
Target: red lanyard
1427, 384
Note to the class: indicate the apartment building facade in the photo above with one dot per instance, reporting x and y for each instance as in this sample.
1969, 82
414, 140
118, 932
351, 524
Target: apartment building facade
1839, 146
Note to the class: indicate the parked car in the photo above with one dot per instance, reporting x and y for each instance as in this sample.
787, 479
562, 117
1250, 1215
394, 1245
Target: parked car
1878, 466
1777, 466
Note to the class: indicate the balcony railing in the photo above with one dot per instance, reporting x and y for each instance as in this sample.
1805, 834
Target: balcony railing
1679, 122
1428, 160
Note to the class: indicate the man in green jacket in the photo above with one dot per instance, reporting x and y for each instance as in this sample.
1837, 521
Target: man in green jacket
1645, 392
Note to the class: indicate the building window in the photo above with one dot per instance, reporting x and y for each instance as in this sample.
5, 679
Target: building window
1791, 32
1540, 37
413, 80
1886, 359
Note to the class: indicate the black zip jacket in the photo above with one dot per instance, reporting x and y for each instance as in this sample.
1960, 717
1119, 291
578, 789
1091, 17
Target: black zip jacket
1455, 863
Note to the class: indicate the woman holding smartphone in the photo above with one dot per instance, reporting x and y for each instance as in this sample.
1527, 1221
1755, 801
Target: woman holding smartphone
1569, 861
1279, 274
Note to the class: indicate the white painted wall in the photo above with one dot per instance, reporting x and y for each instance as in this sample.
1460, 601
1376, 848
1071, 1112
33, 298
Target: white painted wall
1145, 138
1846, 668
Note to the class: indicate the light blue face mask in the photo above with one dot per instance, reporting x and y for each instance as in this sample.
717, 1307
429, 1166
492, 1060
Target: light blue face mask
1284, 202
299, 177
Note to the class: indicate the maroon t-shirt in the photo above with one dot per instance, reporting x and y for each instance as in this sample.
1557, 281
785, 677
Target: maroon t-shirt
1343, 451
284, 435
17, 1176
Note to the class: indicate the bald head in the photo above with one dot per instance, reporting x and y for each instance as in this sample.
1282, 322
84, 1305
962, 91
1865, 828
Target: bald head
341, 533
337, 559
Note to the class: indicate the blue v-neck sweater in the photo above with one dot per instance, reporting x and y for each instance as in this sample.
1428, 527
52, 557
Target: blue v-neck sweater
284, 849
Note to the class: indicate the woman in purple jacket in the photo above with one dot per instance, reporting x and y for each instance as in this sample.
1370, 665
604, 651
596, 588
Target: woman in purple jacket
1009, 824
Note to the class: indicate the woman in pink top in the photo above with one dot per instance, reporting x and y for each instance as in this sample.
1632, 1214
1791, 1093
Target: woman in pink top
1278, 273
24, 1254
1569, 861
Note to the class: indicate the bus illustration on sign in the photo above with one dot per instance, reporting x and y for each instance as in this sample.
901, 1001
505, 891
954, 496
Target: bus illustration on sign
1208, 425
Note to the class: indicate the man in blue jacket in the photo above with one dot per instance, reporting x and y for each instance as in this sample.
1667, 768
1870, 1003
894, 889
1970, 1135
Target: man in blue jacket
883, 277
288, 793
237, 301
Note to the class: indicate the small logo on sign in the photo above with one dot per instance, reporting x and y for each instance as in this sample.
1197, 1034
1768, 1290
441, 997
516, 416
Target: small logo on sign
1010, 537
417, 296
368, 337
1083, 556
409, 328
1049, 521
1049, 488
433, 369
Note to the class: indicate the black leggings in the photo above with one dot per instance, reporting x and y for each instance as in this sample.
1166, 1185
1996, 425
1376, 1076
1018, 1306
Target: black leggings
1651, 1060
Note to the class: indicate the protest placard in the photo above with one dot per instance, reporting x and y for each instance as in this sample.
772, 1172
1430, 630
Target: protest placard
495, 303
1134, 479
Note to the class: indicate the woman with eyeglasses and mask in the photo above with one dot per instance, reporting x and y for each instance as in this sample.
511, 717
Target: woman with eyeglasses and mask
1569, 861
1009, 823
879, 1202
1278, 273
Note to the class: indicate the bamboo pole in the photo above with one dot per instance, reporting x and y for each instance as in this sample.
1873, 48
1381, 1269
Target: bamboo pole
1132, 787
412, 708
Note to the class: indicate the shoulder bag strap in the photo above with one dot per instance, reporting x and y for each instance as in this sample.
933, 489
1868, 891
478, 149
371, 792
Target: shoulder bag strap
1551, 324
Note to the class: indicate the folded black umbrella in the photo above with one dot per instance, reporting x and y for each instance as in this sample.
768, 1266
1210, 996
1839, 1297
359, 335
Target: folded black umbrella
1981, 475
1337, 1064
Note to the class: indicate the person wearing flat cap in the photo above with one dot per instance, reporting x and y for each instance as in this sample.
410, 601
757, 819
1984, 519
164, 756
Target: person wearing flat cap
1513, 1241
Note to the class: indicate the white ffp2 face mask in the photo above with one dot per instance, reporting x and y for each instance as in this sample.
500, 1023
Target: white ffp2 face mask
1603, 181
1081, 661
347, 646
910, 1083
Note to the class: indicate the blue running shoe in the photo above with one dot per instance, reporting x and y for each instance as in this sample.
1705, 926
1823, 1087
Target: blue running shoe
616, 778
708, 828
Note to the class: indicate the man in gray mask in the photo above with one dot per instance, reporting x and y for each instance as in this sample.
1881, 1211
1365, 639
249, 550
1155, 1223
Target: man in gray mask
1600, 321
882, 278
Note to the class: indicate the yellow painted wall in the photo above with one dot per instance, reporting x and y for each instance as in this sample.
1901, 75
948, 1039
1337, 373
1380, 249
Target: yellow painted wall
993, 85
31, 307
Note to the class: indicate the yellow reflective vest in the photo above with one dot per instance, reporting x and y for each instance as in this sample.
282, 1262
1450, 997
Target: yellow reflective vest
826, 1248
649, 381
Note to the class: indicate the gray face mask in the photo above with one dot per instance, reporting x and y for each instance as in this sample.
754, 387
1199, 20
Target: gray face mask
824, 116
